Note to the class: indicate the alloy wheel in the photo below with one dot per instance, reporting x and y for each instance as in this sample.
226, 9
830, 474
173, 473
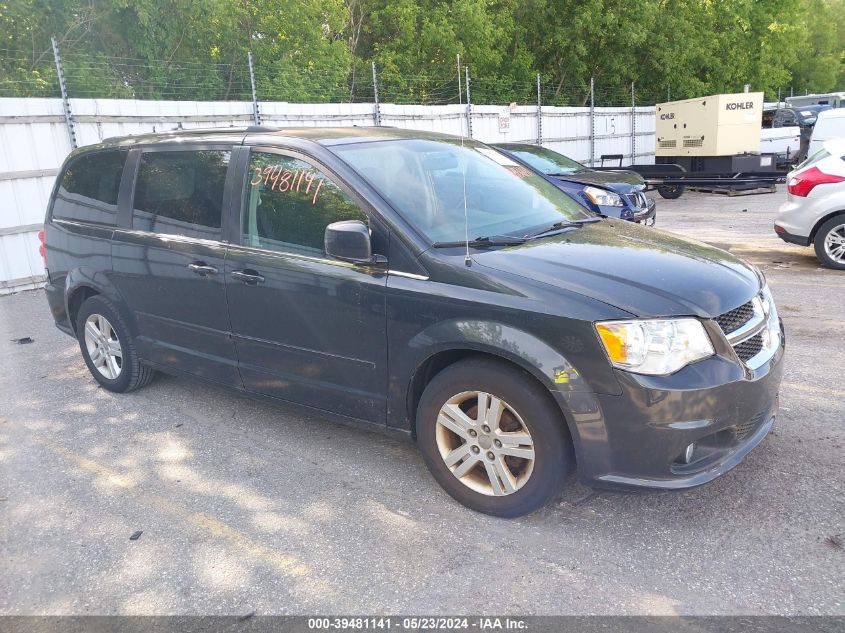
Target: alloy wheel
103, 346
834, 244
485, 443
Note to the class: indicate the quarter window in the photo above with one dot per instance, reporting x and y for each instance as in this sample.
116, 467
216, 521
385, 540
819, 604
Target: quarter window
89, 187
181, 193
289, 203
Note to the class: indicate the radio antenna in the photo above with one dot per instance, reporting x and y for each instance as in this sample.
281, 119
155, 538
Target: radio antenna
467, 259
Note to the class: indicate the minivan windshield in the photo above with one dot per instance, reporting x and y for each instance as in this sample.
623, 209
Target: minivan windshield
430, 182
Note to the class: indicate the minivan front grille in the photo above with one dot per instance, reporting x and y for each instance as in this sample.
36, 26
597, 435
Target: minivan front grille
749, 348
736, 318
746, 329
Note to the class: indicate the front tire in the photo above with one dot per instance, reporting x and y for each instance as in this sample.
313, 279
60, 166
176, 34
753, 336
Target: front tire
108, 348
829, 243
493, 438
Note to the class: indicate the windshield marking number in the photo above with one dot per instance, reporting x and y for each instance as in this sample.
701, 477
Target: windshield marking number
286, 180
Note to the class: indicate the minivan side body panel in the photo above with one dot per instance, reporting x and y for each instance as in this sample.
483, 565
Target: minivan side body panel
499, 316
312, 330
181, 315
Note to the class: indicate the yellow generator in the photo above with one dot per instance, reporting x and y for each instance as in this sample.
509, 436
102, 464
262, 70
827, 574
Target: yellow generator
719, 133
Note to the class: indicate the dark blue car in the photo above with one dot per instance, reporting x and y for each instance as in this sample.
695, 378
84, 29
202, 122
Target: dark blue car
619, 194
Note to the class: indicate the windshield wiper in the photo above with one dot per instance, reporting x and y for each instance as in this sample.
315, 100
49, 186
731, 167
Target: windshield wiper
560, 226
564, 174
487, 240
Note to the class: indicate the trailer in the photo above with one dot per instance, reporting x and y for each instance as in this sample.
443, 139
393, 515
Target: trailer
710, 144
670, 180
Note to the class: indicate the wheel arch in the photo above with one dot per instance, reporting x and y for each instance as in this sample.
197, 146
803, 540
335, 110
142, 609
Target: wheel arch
440, 360
821, 221
540, 362
81, 284
75, 299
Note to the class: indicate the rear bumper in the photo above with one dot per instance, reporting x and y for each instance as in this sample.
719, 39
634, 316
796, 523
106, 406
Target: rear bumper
638, 438
797, 216
56, 301
791, 238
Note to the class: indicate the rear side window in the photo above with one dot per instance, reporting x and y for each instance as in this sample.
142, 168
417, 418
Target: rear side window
181, 193
814, 158
89, 187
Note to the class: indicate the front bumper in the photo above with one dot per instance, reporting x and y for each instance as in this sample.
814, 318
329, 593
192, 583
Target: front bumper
649, 213
638, 438
631, 212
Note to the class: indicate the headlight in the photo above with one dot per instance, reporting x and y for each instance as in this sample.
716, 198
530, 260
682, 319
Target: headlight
654, 346
603, 197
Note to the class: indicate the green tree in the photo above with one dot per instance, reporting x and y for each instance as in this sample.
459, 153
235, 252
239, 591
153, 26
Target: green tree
322, 51
820, 64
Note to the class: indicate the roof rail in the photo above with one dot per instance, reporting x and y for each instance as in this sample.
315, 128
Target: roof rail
262, 128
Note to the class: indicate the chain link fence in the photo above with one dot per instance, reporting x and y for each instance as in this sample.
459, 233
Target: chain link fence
60, 102
31, 74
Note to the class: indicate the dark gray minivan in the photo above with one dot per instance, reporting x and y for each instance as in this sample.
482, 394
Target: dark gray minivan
422, 284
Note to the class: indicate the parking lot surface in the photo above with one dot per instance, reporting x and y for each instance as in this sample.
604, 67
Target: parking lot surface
244, 507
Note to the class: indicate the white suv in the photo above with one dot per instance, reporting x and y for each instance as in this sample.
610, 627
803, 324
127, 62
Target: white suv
814, 212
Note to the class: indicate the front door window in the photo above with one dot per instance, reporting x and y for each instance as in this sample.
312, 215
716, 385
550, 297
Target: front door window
290, 203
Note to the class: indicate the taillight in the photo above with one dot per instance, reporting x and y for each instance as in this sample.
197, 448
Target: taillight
43, 247
803, 183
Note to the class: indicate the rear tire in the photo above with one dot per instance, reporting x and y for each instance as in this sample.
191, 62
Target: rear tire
829, 243
108, 348
507, 462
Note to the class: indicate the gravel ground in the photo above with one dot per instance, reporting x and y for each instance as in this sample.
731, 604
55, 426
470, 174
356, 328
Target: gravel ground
243, 507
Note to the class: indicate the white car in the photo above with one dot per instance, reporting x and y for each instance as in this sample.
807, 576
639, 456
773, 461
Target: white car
814, 211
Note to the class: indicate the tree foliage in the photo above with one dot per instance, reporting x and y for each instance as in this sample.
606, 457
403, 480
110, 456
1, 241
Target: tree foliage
321, 51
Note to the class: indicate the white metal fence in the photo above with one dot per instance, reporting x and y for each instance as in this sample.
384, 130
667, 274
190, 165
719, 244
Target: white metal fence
34, 142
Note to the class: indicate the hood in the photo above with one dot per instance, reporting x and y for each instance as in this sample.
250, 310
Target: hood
618, 181
643, 271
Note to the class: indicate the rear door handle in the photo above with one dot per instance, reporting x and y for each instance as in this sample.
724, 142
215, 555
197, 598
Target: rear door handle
202, 269
248, 277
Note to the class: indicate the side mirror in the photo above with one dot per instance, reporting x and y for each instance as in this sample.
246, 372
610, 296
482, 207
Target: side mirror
349, 241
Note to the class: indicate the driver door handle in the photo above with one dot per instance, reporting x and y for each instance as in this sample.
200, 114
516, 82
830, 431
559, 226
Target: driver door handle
249, 277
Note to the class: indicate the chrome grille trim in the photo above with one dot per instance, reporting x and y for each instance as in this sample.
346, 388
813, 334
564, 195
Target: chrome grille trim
638, 199
750, 336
